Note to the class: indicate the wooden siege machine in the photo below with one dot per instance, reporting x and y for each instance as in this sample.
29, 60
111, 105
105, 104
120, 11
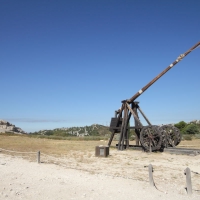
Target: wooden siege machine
151, 137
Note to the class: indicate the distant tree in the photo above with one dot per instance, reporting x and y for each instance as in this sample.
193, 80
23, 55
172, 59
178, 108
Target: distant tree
34, 133
191, 129
181, 125
94, 132
49, 132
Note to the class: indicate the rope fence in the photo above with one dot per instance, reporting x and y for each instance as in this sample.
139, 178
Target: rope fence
16, 151
187, 171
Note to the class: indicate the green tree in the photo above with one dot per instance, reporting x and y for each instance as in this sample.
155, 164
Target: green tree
181, 125
49, 132
191, 129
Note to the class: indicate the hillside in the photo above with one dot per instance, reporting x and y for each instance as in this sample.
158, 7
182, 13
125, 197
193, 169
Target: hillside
6, 127
192, 127
93, 130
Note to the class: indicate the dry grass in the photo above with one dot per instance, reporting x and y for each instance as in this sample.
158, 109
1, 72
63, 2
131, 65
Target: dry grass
73, 151
58, 147
65, 147
193, 144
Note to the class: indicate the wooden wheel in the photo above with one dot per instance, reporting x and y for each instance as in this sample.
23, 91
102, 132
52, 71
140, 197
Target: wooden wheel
150, 138
171, 135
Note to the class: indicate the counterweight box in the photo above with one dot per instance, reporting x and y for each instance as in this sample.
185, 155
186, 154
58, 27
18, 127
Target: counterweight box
101, 151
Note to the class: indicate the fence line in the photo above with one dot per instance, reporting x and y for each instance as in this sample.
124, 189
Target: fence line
48, 155
16, 151
187, 171
197, 173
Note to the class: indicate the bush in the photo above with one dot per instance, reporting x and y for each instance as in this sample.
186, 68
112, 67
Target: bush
191, 129
197, 136
187, 137
181, 125
8, 133
49, 132
132, 137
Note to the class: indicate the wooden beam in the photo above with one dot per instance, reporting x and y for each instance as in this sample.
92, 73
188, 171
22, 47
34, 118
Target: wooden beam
125, 127
136, 118
144, 116
121, 132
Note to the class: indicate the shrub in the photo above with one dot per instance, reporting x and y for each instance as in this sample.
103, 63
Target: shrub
8, 133
181, 125
197, 136
191, 129
49, 132
187, 137
132, 137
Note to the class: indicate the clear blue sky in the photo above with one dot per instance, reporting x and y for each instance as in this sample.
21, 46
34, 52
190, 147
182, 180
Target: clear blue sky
70, 63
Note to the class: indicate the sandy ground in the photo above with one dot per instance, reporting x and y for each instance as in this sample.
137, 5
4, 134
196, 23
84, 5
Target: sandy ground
122, 175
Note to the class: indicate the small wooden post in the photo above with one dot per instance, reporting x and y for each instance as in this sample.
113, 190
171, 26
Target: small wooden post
187, 172
38, 156
151, 181
150, 149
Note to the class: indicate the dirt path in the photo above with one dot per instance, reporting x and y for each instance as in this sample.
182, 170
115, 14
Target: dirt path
122, 175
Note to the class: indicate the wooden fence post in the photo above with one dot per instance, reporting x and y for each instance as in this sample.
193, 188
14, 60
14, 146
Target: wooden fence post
38, 156
187, 172
151, 181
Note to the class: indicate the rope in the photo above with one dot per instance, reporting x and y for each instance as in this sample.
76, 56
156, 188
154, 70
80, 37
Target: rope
48, 155
180, 57
16, 151
196, 173
161, 169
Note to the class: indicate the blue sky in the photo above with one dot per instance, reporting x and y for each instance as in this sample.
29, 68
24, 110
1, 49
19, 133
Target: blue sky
70, 63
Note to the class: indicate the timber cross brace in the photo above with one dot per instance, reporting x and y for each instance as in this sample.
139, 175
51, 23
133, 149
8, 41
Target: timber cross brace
151, 137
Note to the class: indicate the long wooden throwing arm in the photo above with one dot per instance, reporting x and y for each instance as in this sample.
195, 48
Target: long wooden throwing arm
162, 73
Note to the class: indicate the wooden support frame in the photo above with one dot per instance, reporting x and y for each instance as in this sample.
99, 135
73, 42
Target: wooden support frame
125, 113
121, 132
125, 131
144, 116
